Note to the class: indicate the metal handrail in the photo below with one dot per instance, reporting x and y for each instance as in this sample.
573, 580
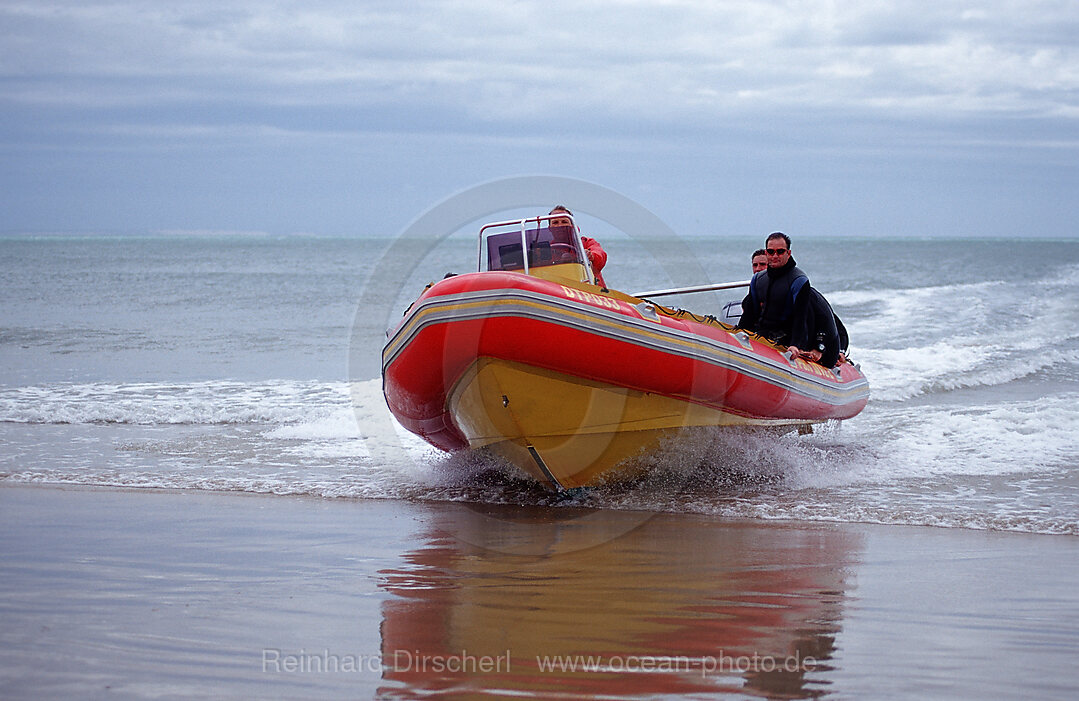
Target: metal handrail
696, 288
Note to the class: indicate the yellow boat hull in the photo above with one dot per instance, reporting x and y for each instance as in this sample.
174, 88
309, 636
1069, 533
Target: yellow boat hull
567, 431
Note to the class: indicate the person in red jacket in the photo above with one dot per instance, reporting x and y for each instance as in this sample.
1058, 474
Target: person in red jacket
596, 255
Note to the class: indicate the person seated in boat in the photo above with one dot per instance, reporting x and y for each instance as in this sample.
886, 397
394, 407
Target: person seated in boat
596, 255
775, 293
732, 311
817, 334
759, 260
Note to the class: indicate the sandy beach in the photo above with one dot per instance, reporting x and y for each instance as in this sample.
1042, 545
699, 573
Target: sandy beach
155, 594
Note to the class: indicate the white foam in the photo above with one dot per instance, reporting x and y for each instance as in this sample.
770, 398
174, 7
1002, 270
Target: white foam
271, 402
884, 514
333, 424
931, 339
1008, 438
334, 420
897, 375
387, 441
905, 315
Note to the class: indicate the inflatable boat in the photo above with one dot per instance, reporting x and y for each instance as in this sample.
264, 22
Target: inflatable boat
568, 380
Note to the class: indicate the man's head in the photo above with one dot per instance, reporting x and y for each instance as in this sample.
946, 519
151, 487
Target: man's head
778, 249
560, 221
759, 260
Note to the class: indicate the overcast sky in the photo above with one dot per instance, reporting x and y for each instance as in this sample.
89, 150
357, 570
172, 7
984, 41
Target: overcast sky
353, 117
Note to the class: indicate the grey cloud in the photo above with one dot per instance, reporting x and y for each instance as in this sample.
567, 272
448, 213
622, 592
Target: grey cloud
499, 60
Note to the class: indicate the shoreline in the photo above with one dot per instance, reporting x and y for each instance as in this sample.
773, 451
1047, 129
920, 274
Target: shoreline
719, 518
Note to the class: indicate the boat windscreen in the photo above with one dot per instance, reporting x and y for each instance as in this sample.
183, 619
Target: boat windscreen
546, 246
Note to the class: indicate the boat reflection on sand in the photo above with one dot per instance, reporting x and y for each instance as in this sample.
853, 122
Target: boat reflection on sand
679, 605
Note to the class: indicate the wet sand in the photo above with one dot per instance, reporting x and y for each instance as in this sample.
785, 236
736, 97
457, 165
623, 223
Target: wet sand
138, 594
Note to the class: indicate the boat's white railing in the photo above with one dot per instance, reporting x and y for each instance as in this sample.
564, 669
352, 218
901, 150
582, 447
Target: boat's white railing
483, 238
696, 288
524, 245
523, 223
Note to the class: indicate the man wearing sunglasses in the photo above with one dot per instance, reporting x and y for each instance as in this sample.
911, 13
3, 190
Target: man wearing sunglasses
775, 294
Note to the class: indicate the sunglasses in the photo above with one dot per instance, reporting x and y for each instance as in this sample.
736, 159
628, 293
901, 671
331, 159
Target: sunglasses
776, 251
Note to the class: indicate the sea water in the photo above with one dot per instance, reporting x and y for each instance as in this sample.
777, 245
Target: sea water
250, 363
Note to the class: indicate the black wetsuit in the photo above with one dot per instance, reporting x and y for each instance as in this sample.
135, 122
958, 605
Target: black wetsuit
816, 327
773, 301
